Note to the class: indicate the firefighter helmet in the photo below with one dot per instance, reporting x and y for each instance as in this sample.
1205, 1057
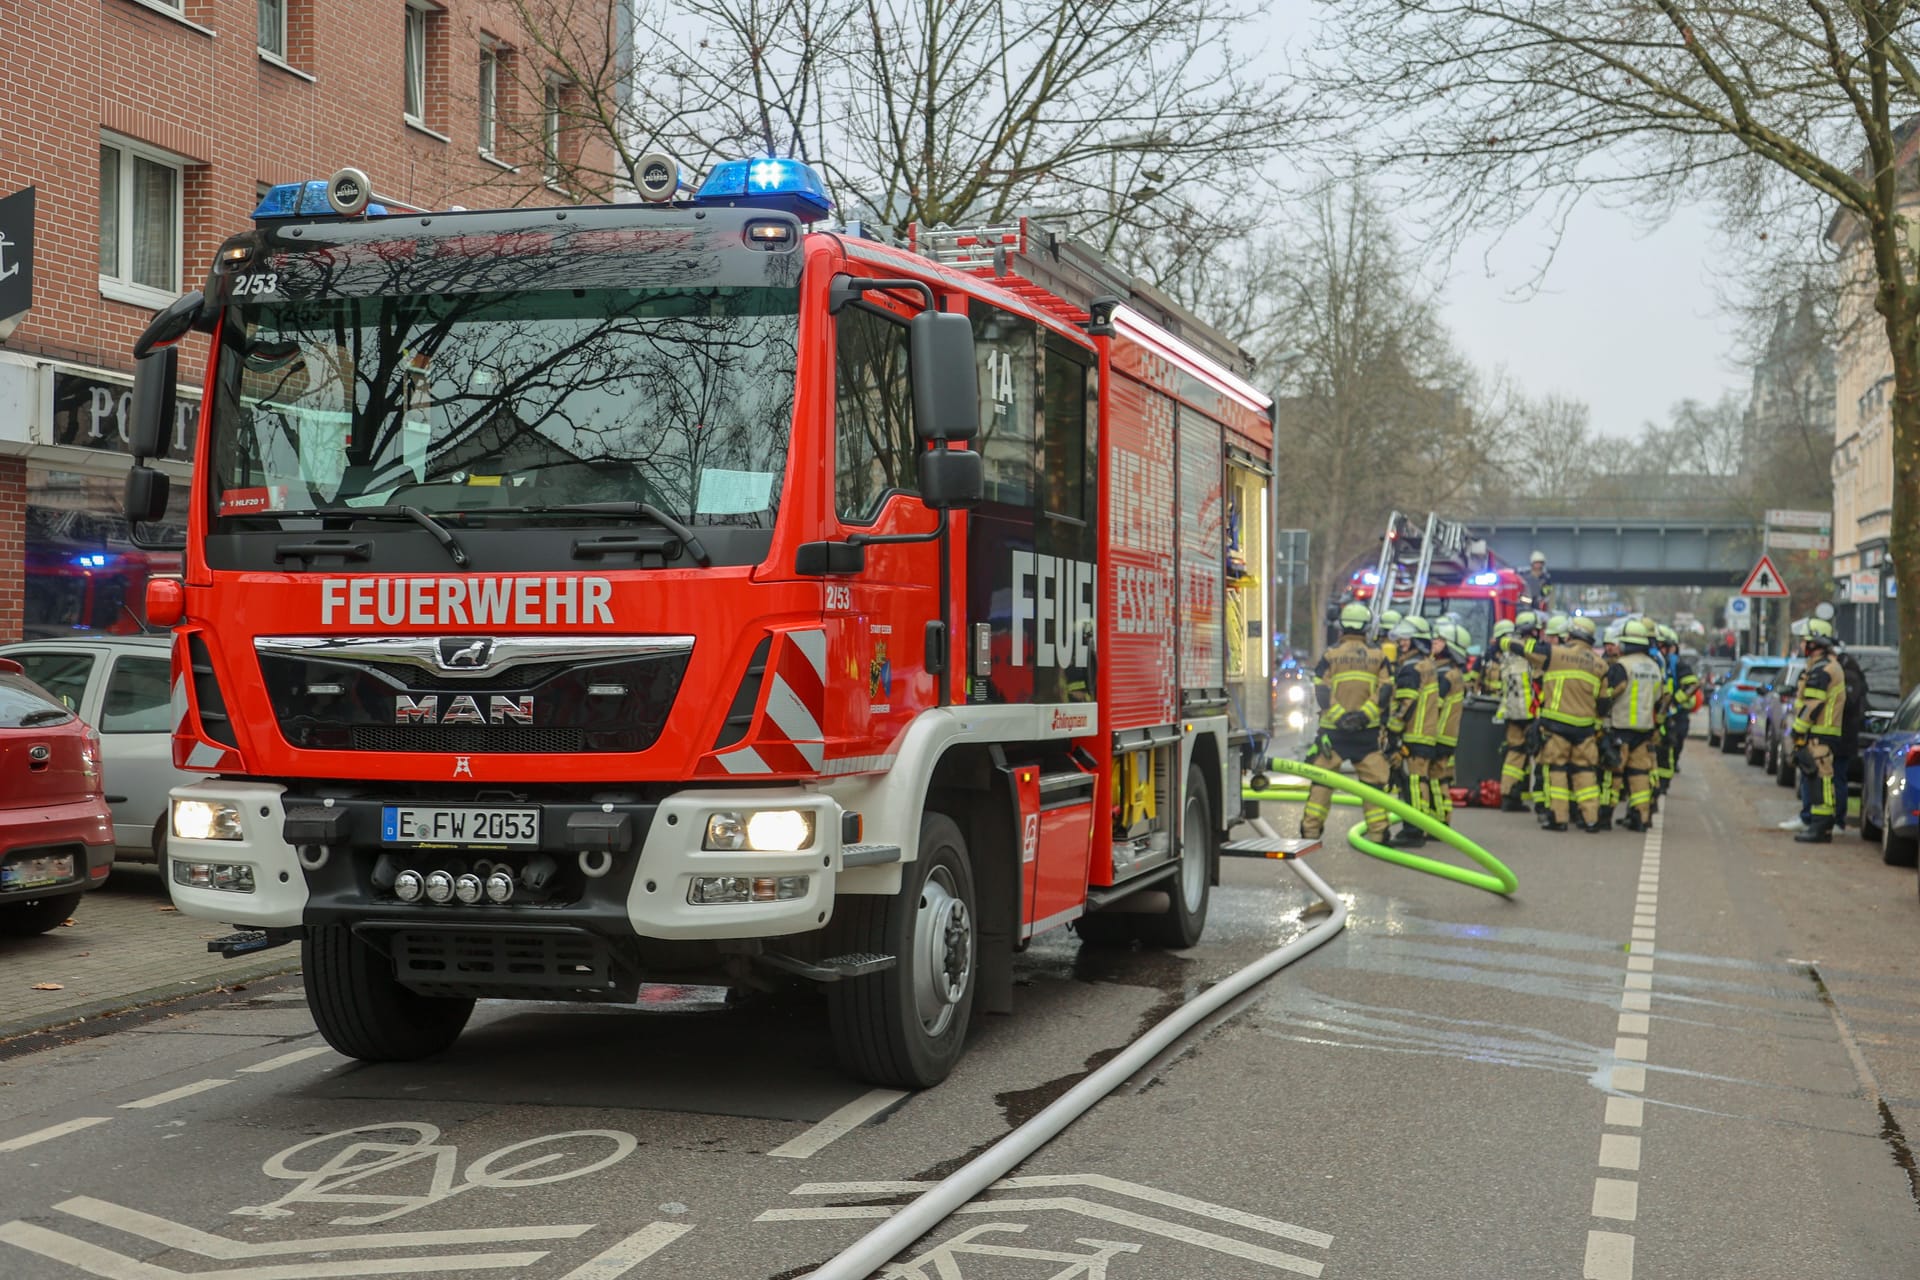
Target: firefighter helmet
1355, 617
1557, 624
1581, 628
1502, 628
1820, 632
1636, 634
1526, 622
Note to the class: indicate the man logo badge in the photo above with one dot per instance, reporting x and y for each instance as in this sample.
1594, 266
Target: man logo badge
458, 654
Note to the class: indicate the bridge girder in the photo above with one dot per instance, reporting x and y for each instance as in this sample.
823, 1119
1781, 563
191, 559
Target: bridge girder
1636, 551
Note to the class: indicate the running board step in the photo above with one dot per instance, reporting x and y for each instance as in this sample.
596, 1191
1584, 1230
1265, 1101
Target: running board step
868, 855
1261, 847
856, 964
248, 941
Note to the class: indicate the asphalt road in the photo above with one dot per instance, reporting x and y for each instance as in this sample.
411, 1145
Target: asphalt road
1685, 1055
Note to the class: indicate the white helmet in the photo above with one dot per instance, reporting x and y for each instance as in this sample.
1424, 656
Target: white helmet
1538, 557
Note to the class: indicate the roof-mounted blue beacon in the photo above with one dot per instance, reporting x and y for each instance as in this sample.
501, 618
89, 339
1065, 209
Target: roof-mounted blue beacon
346, 194
767, 182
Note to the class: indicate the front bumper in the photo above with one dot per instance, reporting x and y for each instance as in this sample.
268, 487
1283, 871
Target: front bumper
633, 880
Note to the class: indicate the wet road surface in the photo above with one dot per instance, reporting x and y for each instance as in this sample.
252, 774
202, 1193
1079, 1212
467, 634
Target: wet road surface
1690, 1054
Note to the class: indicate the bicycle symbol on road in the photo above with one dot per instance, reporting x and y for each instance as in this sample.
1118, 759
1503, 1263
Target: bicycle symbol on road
338, 1168
944, 1258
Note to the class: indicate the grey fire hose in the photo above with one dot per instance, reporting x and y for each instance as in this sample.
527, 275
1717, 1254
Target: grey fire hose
870, 1252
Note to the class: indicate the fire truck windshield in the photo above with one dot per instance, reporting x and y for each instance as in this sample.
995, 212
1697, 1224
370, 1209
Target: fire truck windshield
681, 398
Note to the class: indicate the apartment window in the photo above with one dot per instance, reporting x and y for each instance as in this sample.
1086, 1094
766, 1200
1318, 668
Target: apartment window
489, 97
550, 132
139, 224
273, 28
416, 71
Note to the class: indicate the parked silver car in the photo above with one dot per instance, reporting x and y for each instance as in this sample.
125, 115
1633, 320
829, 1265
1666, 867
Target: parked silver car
120, 686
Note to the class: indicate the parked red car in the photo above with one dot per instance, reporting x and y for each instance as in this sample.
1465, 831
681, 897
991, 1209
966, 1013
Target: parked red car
56, 834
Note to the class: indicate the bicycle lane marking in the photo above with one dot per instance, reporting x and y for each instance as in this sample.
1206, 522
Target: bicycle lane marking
51, 1132
838, 1125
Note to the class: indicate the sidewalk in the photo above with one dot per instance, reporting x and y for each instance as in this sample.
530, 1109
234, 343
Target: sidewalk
126, 946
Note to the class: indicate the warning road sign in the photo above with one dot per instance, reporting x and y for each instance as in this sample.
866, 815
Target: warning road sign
1764, 580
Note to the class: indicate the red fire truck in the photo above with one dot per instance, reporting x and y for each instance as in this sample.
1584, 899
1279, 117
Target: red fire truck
1434, 570
582, 597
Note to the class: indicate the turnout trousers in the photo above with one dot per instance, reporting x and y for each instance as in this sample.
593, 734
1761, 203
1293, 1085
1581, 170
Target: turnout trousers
1514, 769
1570, 763
1362, 751
1637, 770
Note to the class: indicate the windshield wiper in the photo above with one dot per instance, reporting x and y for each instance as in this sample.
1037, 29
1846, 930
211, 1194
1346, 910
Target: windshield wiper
52, 715
689, 541
415, 514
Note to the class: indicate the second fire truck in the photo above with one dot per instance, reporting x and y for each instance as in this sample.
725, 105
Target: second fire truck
581, 597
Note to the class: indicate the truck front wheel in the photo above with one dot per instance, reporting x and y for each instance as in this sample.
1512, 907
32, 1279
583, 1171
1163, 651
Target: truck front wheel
362, 1011
905, 1027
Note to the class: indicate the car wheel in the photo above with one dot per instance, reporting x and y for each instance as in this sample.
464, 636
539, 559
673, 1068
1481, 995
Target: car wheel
36, 915
1728, 743
1713, 739
905, 1027
1785, 773
1897, 850
1756, 753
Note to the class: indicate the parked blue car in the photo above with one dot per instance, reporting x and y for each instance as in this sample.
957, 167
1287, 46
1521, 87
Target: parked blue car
1732, 700
1890, 786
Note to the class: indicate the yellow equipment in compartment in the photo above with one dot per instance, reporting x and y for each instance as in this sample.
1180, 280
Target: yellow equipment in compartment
1133, 792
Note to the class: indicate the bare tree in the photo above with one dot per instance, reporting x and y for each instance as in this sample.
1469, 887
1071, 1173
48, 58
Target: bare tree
1376, 411
1771, 108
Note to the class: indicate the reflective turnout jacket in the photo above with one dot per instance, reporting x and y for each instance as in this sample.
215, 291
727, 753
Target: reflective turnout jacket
1637, 688
1418, 690
1350, 680
1572, 692
1822, 699
1453, 705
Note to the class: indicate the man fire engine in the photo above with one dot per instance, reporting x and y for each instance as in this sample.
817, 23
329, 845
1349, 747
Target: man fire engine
578, 597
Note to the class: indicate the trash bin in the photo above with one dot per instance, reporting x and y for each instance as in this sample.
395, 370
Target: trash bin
1482, 748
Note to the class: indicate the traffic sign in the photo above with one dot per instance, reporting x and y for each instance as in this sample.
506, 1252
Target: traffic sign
1785, 541
1782, 519
1739, 613
1764, 580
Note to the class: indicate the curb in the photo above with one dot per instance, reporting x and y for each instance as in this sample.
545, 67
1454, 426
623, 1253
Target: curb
163, 994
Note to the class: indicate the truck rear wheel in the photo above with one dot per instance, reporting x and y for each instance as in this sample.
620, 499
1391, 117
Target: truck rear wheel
362, 1011
1185, 918
905, 1027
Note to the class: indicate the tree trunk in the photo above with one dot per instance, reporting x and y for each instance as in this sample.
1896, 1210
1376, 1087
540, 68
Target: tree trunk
1904, 544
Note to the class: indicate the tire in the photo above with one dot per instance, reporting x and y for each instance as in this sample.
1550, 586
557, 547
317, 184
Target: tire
1755, 755
160, 848
1713, 739
25, 918
363, 1012
1185, 918
1786, 773
906, 1027
1898, 850
1728, 745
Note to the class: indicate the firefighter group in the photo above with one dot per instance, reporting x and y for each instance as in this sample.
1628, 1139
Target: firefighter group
1593, 720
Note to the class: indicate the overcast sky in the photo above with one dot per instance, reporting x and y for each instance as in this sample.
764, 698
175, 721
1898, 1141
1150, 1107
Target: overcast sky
1626, 321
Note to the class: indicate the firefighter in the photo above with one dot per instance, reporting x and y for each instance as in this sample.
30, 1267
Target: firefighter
1537, 581
1685, 684
1389, 646
1348, 684
1819, 710
1452, 654
1518, 706
1613, 786
1413, 723
1571, 704
1637, 684
1553, 629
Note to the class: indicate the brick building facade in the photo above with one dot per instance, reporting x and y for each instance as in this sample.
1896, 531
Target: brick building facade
149, 129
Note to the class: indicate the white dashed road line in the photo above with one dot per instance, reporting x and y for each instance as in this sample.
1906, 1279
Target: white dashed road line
839, 1124
1610, 1253
630, 1253
287, 1059
173, 1095
51, 1132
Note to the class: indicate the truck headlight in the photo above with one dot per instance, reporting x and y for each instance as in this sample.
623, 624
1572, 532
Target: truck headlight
760, 830
1296, 693
206, 820
1296, 720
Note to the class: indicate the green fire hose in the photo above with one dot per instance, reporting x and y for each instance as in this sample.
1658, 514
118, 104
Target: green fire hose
1351, 791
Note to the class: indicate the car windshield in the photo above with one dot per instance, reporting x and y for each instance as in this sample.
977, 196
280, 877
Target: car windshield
1475, 615
1882, 670
1759, 670
678, 397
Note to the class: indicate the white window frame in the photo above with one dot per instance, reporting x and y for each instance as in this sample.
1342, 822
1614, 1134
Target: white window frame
412, 67
122, 288
551, 120
487, 125
277, 54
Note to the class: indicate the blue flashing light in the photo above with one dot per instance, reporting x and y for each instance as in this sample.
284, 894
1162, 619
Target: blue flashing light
294, 200
93, 560
768, 182
1371, 579
1486, 579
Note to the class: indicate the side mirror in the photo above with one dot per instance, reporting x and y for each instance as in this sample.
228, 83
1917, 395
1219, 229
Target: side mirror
950, 478
153, 402
171, 325
946, 387
145, 498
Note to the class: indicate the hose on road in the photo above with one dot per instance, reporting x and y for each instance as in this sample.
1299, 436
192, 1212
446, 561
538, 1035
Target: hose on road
867, 1255
1497, 878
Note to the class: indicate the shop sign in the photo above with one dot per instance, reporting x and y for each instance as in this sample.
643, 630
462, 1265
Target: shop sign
16, 255
95, 411
1864, 587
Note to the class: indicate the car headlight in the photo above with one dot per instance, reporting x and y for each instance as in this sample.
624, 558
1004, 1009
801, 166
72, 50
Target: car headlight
760, 830
206, 820
1297, 693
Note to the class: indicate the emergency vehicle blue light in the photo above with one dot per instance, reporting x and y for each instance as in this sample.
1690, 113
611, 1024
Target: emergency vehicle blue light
768, 182
93, 560
1371, 579
293, 199
1486, 579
